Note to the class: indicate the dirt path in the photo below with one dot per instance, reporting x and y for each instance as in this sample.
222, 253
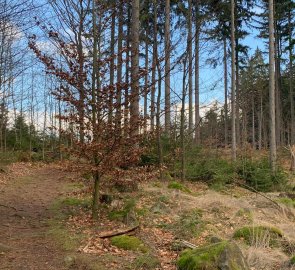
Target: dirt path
24, 212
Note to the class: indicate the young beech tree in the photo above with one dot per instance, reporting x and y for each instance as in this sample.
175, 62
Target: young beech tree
103, 149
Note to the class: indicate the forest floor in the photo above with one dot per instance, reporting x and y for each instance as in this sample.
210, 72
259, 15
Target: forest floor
45, 222
26, 195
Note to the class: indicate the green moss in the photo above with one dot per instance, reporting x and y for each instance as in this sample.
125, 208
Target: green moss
146, 261
128, 243
201, 258
72, 201
259, 235
122, 214
287, 201
178, 186
292, 260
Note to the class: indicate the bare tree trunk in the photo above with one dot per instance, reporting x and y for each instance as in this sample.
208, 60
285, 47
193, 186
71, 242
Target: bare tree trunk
154, 64
94, 89
112, 64
146, 82
126, 94
233, 82
225, 91
134, 107
197, 75
182, 143
119, 69
158, 115
272, 113
291, 91
167, 66
190, 69
277, 86
260, 116
237, 97
253, 124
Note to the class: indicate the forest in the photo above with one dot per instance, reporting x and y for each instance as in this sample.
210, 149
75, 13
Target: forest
147, 134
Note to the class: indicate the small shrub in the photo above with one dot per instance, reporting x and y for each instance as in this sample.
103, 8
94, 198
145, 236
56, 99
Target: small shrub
259, 236
128, 243
148, 159
178, 186
292, 261
123, 214
257, 174
217, 172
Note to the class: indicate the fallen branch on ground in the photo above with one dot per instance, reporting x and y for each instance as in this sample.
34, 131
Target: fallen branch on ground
261, 194
127, 231
6, 206
188, 244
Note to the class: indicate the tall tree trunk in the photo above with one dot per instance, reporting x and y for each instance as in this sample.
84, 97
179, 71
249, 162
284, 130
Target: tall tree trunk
112, 64
154, 65
233, 82
119, 68
127, 64
197, 75
291, 91
277, 85
237, 98
146, 84
79, 42
253, 123
272, 113
190, 69
260, 117
225, 91
167, 66
182, 119
158, 119
94, 89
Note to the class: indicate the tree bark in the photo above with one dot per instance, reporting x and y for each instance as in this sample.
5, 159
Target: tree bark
233, 82
272, 113
291, 91
154, 65
190, 69
225, 91
167, 66
134, 107
197, 75
119, 68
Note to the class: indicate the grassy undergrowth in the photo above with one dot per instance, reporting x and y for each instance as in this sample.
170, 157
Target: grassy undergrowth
259, 236
61, 209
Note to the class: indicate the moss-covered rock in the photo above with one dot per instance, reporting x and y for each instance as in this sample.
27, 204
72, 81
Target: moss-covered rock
128, 243
261, 236
223, 255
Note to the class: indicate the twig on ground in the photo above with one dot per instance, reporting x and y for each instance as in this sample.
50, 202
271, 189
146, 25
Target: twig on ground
127, 231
